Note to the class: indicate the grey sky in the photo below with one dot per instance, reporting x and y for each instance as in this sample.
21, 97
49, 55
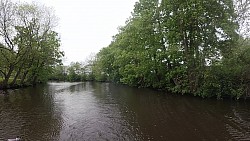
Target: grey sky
85, 26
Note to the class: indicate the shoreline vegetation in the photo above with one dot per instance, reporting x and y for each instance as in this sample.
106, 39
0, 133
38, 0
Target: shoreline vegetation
17, 85
198, 48
29, 46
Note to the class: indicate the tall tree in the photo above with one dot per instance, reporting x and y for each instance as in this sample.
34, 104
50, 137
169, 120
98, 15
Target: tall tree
30, 46
181, 46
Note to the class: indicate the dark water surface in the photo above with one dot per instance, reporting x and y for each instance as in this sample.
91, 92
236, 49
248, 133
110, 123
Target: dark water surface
104, 111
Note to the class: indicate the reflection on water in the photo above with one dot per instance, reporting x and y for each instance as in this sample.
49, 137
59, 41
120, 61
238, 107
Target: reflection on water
239, 125
104, 111
29, 113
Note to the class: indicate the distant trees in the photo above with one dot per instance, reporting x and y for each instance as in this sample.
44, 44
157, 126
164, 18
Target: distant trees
75, 72
189, 47
29, 48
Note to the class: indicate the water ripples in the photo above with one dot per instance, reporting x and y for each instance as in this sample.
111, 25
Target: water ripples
239, 124
104, 111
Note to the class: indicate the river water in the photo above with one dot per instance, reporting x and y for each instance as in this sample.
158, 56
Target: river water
103, 111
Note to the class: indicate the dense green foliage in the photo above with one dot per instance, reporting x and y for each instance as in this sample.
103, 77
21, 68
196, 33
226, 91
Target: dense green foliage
29, 48
75, 72
188, 47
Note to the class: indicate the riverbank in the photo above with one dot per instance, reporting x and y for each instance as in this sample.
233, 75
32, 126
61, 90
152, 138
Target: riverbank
16, 86
243, 97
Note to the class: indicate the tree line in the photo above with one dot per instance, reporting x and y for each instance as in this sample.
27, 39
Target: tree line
29, 47
75, 72
192, 47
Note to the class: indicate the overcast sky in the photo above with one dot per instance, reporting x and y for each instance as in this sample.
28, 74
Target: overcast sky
86, 26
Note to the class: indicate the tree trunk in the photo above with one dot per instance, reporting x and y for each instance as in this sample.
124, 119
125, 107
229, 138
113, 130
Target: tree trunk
24, 77
15, 78
34, 81
7, 76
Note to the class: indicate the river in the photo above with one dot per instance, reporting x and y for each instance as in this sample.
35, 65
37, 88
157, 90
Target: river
104, 111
